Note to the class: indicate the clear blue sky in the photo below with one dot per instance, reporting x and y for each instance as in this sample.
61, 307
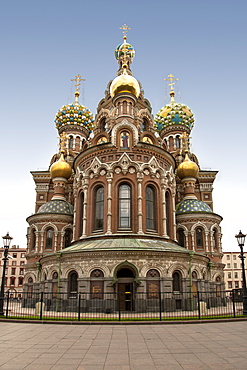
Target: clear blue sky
44, 44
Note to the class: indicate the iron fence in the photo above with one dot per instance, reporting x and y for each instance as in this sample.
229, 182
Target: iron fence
124, 306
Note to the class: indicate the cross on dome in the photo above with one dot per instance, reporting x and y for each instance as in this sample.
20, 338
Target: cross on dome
78, 79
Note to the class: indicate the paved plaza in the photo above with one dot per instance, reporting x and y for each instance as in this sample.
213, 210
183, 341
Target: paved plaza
220, 345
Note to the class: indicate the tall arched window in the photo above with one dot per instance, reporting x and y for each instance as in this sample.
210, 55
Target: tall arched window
168, 214
49, 238
30, 287
33, 239
181, 237
194, 283
150, 208
67, 238
54, 284
99, 208
215, 238
199, 237
71, 142
177, 281
178, 144
73, 283
77, 143
124, 203
80, 214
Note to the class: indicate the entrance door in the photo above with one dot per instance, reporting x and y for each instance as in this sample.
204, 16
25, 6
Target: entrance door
125, 291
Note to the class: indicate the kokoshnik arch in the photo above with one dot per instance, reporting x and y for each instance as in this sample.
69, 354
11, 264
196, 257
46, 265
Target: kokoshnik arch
124, 205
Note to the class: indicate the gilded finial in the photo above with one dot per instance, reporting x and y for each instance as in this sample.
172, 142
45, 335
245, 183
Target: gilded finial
78, 80
171, 79
125, 29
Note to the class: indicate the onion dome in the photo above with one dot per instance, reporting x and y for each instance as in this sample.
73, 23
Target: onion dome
174, 114
192, 206
74, 114
61, 168
124, 50
124, 83
57, 206
187, 168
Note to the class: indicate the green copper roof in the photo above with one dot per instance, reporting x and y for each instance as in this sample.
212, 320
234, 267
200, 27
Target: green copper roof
192, 205
57, 206
123, 244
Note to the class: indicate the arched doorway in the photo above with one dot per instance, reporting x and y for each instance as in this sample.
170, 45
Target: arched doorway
125, 288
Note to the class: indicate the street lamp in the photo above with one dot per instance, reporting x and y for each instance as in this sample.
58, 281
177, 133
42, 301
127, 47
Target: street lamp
241, 238
6, 242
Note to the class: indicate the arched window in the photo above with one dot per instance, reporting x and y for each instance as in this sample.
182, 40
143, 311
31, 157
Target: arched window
97, 284
177, 281
168, 214
71, 142
54, 284
178, 144
215, 238
194, 283
80, 214
150, 208
124, 204
144, 124
153, 283
199, 237
73, 284
181, 237
77, 143
49, 238
171, 142
33, 239
67, 238
99, 208
29, 287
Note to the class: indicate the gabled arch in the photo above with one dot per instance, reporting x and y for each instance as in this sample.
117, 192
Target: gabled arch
125, 124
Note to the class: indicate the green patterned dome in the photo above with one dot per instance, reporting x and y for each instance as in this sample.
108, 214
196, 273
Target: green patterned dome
192, 206
57, 206
124, 49
74, 114
174, 114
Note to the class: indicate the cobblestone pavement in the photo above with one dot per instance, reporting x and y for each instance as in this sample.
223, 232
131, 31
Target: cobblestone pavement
219, 345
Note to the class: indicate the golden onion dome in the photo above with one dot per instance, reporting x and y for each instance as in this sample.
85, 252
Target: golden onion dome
61, 168
187, 168
124, 83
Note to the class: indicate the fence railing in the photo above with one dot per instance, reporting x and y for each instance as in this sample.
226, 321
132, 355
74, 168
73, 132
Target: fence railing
124, 306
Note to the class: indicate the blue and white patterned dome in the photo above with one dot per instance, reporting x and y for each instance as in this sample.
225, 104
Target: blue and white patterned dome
57, 206
192, 206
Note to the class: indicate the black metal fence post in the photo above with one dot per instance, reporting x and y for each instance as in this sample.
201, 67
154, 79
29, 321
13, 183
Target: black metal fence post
160, 305
7, 306
79, 307
233, 304
119, 309
41, 305
198, 303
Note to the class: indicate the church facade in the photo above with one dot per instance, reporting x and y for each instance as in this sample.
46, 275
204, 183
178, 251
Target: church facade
124, 206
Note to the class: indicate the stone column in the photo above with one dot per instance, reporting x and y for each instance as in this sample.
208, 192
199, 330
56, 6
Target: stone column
163, 197
139, 202
109, 178
84, 226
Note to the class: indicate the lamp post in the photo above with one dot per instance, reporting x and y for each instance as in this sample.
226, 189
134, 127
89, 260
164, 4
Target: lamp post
6, 242
241, 238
